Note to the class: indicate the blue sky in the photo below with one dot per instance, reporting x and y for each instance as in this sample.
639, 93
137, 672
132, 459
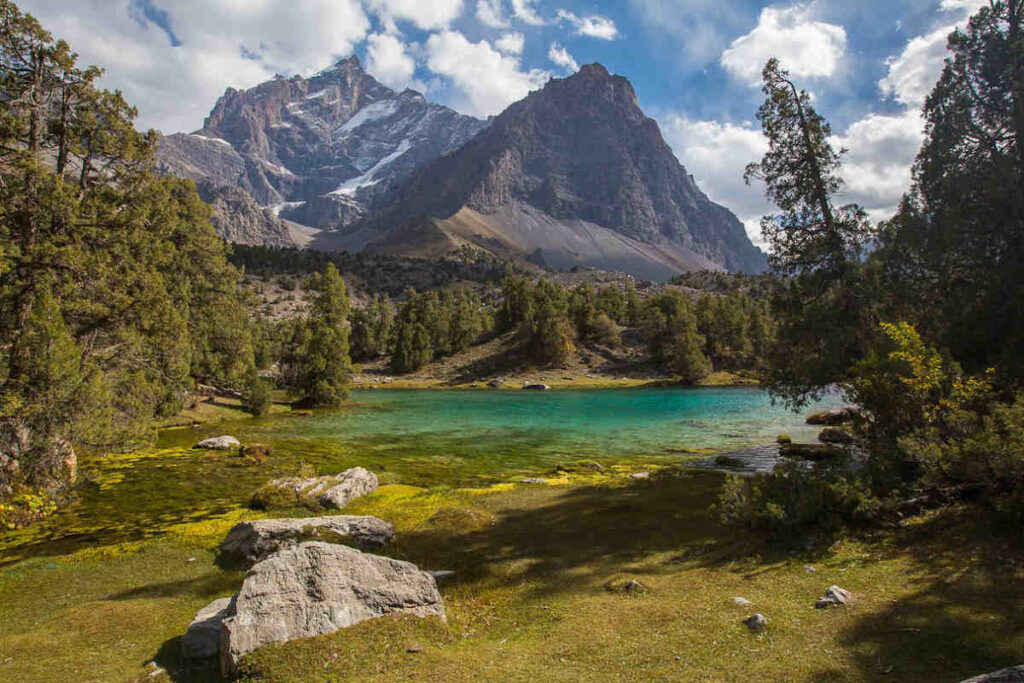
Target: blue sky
693, 63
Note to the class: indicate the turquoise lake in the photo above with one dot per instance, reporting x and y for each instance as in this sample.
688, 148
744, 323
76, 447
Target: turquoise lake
421, 438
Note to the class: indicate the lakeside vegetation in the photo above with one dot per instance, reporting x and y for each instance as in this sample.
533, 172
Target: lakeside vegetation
119, 307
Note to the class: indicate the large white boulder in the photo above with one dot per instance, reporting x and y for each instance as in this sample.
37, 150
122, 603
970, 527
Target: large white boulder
317, 588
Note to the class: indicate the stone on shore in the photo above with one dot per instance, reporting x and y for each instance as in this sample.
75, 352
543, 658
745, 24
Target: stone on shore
318, 588
219, 443
536, 387
835, 435
333, 492
836, 416
256, 540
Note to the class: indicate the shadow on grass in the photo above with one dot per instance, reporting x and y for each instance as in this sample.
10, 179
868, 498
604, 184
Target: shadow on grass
965, 617
553, 533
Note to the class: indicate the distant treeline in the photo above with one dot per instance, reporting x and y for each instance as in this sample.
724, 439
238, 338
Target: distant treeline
388, 273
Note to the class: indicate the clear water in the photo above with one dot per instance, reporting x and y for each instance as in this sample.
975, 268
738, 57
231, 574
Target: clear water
422, 438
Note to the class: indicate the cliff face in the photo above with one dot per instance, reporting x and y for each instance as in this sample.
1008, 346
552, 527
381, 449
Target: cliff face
319, 150
581, 149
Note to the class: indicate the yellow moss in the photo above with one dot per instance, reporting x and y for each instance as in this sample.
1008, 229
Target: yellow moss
212, 530
103, 553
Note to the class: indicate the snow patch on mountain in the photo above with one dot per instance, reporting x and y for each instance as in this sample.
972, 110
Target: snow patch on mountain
350, 187
371, 112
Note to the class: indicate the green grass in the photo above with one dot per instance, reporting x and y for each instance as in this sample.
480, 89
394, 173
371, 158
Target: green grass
535, 596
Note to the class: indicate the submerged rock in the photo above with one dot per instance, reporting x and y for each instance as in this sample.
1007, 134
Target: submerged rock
318, 588
202, 639
219, 443
1014, 674
333, 491
834, 597
258, 539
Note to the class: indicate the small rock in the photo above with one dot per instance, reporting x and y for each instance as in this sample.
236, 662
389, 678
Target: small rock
640, 475
633, 586
834, 597
533, 480
742, 602
495, 383
256, 452
414, 648
756, 623
595, 466
218, 443
536, 387
1014, 674
442, 574
809, 569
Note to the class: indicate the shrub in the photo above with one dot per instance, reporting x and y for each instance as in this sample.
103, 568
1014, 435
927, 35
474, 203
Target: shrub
796, 501
256, 399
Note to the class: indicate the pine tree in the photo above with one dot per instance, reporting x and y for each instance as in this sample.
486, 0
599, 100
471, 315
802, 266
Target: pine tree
323, 363
822, 313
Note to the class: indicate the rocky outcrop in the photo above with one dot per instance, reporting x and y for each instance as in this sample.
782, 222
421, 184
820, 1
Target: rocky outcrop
202, 639
317, 150
318, 588
256, 540
219, 443
239, 219
578, 155
334, 491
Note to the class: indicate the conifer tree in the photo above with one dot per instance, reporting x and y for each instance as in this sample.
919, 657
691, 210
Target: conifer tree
323, 363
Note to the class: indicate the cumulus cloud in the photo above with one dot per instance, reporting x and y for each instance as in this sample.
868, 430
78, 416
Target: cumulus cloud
912, 73
388, 61
805, 47
222, 43
524, 11
561, 57
489, 13
594, 26
486, 80
434, 14
878, 165
511, 43
716, 154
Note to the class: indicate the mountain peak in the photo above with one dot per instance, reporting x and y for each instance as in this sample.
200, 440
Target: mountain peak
595, 69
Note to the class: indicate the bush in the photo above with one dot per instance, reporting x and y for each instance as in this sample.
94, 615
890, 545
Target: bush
256, 399
795, 501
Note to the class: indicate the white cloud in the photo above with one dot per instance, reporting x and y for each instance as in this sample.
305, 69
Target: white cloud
489, 13
424, 14
913, 73
716, 154
593, 26
388, 61
486, 80
805, 47
223, 43
561, 57
524, 11
511, 43
877, 168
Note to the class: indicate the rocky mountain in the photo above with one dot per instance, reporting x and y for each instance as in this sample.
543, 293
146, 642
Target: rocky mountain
573, 175
318, 151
